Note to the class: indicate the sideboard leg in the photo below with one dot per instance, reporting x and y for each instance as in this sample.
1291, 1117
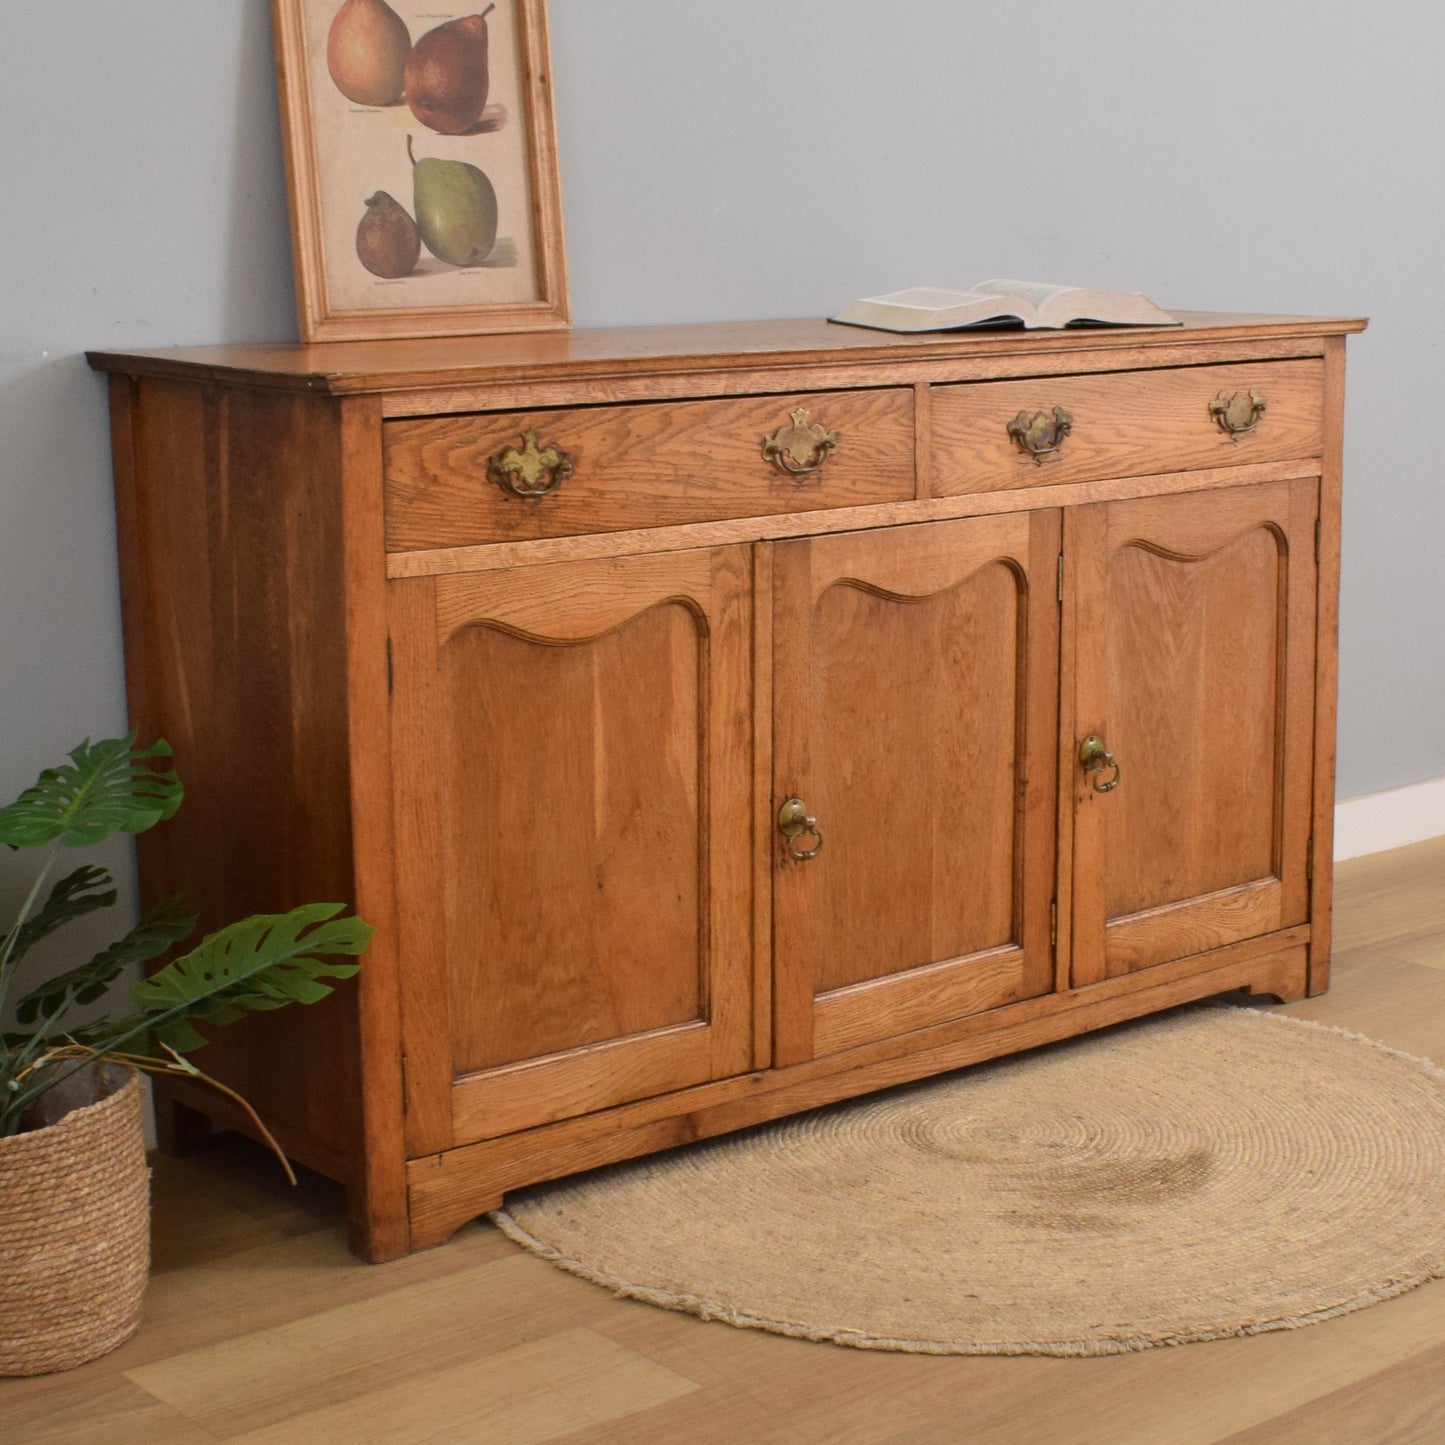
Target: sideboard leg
1285, 977
180, 1130
376, 1240
439, 1228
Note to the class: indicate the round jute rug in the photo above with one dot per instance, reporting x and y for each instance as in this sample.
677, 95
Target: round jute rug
1215, 1172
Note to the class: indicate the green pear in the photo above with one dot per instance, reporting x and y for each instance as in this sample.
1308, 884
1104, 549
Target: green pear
456, 209
366, 51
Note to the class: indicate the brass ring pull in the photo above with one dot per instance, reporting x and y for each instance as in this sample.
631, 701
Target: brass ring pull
1041, 433
533, 471
1095, 757
801, 447
794, 823
1238, 413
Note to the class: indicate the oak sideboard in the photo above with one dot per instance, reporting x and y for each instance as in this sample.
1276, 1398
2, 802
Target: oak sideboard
720, 721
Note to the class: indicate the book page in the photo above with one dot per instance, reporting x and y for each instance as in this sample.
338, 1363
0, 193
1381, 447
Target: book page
929, 298
1110, 308
1033, 304
1036, 293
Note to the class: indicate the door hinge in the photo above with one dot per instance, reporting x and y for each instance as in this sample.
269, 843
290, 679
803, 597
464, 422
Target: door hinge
1317, 541
405, 1088
1053, 923
1061, 577
390, 674
1310, 861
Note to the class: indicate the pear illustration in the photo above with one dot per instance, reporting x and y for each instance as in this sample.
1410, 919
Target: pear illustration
366, 50
456, 209
446, 75
387, 240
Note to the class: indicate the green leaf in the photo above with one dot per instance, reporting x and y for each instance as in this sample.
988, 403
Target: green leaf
74, 896
158, 929
105, 788
262, 962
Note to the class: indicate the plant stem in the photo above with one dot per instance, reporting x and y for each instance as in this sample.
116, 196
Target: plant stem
131, 1028
187, 1069
11, 1113
180, 1068
13, 937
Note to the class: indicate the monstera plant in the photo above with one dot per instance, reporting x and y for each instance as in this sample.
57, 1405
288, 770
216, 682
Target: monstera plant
69, 1289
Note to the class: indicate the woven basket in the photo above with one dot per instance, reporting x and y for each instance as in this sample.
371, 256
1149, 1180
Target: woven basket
74, 1235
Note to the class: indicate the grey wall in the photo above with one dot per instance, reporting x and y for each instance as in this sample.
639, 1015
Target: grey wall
760, 158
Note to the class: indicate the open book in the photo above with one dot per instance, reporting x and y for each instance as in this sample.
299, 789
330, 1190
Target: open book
1034, 304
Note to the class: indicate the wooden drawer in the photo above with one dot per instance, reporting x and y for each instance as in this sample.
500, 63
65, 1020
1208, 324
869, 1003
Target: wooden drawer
1123, 424
643, 465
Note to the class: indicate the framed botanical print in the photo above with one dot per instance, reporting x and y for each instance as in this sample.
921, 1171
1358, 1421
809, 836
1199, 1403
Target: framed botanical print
421, 158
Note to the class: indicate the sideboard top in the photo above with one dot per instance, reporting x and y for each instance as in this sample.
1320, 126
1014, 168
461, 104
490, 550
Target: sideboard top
346, 367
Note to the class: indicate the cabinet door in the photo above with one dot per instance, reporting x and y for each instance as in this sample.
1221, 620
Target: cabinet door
1192, 624
915, 715
572, 748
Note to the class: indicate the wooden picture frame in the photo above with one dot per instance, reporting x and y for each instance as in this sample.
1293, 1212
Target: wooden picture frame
389, 114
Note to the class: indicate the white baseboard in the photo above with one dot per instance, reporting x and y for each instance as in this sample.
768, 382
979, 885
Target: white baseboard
1389, 820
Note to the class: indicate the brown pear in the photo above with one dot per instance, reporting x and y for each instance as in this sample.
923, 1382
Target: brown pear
388, 243
366, 50
446, 75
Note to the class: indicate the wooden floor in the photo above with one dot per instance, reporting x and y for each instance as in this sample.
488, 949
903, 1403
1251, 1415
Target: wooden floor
260, 1327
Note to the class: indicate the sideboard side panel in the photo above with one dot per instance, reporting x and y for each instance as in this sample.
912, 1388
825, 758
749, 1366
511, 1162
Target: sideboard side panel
234, 607
1327, 666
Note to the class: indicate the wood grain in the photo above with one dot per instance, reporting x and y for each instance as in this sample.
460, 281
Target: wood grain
1195, 664
492, 556
663, 464
1169, 930
236, 604
913, 998
252, 1270
544, 750
909, 722
1125, 424
444, 1188
402, 365
840, 369
763, 810
1327, 673
577, 739
377, 1206
923, 439
1400, 1403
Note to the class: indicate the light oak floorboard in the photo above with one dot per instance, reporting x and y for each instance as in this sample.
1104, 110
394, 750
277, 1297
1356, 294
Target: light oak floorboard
1399, 1406
326, 1360
532, 1393
1384, 898
260, 1327
101, 1409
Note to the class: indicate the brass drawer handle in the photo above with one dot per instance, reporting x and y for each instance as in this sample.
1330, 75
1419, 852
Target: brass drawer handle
800, 447
794, 823
532, 472
1238, 413
1041, 433
1095, 757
